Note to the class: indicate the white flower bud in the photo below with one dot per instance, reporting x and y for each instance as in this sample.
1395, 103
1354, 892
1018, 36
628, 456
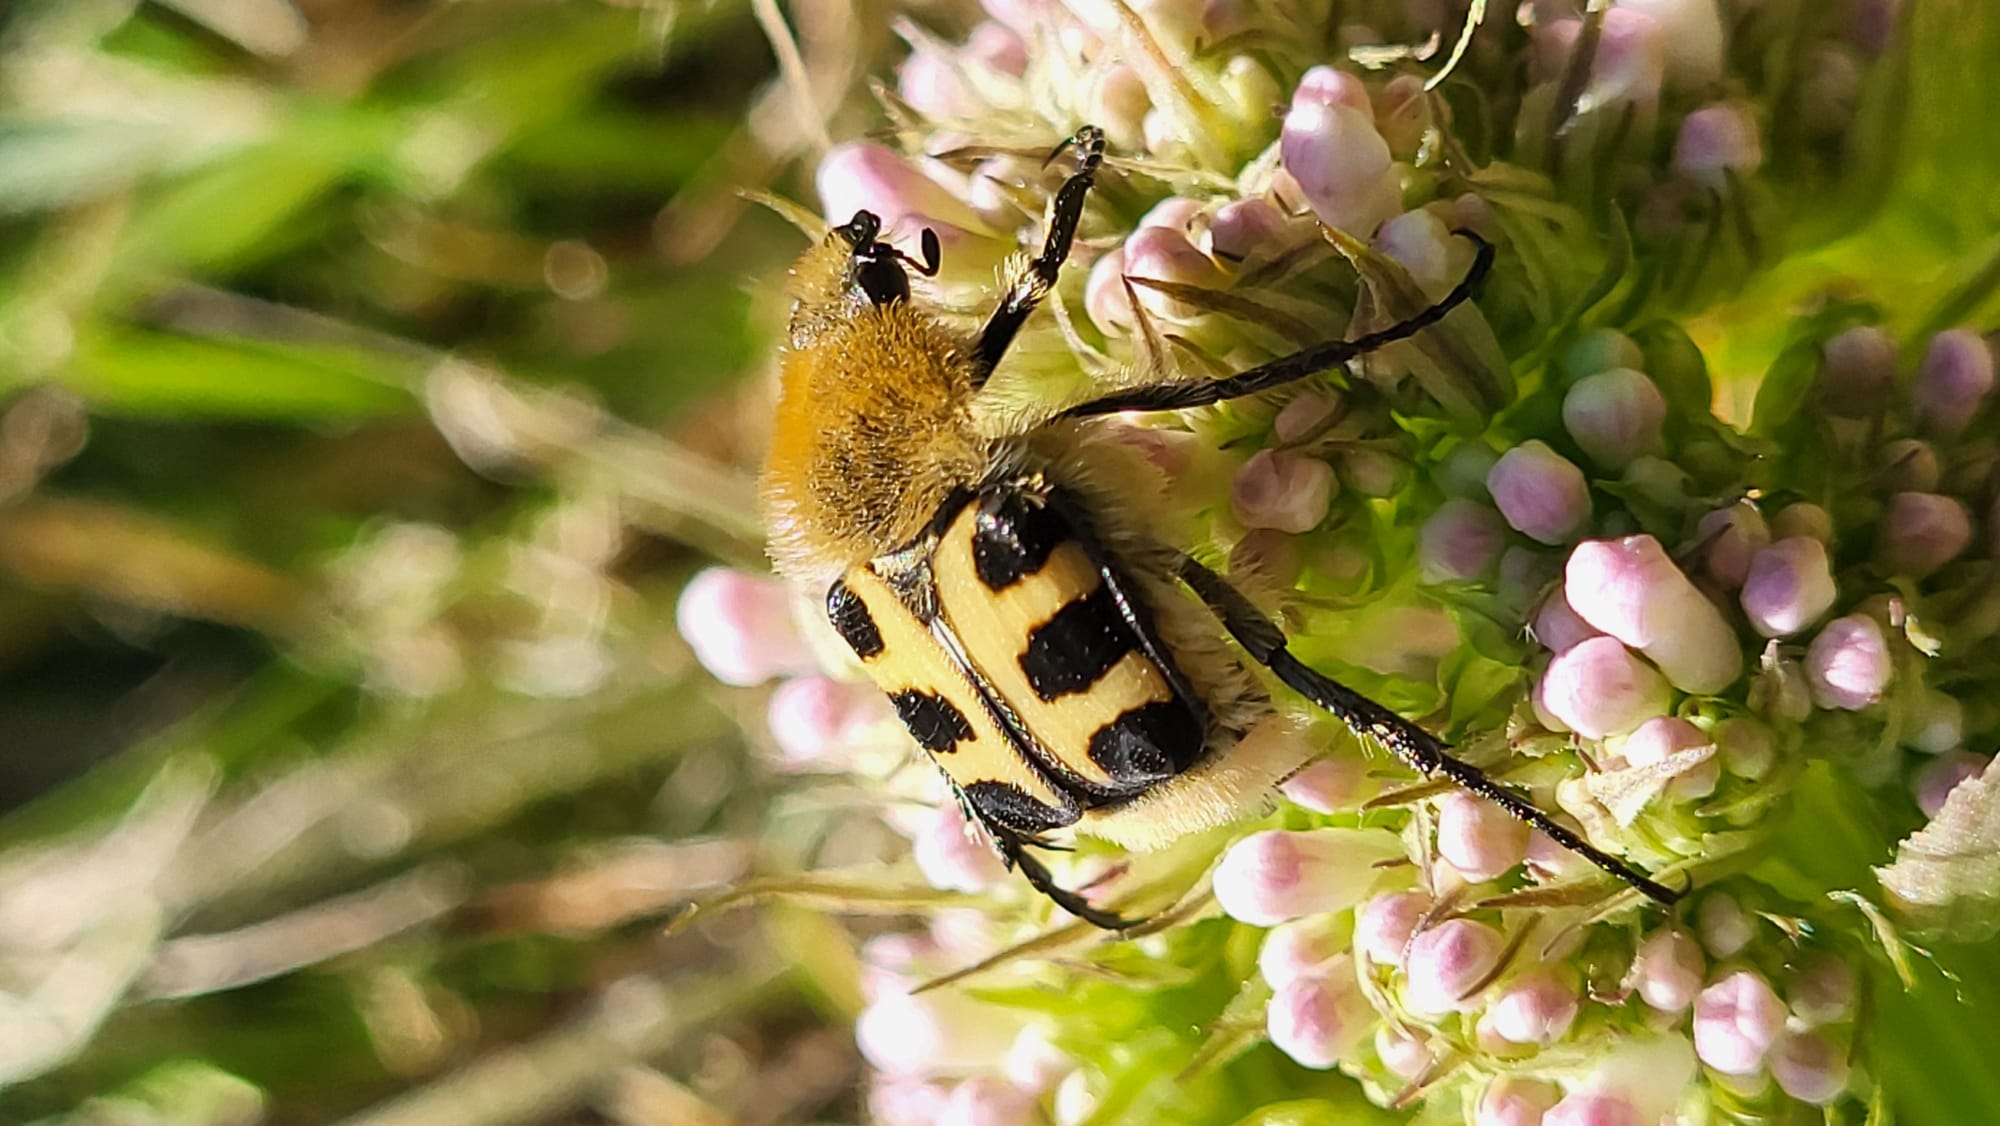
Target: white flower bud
1615, 415
1630, 589
1736, 1020
1275, 876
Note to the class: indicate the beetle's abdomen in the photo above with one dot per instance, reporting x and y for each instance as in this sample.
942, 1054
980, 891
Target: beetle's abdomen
1056, 695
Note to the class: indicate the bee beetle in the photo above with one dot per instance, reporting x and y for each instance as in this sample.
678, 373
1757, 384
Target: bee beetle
1063, 663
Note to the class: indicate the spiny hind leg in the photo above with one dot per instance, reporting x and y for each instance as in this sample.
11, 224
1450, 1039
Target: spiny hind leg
1419, 749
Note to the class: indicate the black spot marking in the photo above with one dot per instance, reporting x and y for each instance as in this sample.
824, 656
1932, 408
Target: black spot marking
1148, 744
852, 621
937, 725
1012, 537
1005, 805
1075, 648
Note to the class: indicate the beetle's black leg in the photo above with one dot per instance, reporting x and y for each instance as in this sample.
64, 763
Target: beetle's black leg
1421, 750
1298, 365
1013, 849
1015, 855
1038, 276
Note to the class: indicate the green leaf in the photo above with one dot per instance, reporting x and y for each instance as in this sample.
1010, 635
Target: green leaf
137, 371
1945, 880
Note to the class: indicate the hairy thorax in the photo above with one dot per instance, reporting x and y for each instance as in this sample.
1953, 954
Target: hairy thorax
872, 434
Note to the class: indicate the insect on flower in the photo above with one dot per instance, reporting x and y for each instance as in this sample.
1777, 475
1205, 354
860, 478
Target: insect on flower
1055, 656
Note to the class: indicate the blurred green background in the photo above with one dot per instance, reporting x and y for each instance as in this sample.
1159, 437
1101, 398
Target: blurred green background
360, 425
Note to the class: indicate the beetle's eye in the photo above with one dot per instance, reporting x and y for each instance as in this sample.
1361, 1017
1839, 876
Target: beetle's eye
882, 279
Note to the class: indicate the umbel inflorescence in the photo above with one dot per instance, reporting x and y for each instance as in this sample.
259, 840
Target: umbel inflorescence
1526, 529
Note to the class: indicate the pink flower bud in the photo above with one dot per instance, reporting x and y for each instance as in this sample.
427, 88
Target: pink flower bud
1536, 1008
1736, 1020
1661, 738
816, 720
1922, 532
1940, 776
863, 175
1746, 746
1420, 242
998, 46
1859, 365
1105, 296
1163, 253
1460, 542
905, 1100
1383, 926
1956, 378
1446, 965
951, 857
1244, 226
1667, 970
1725, 927
1284, 491
1325, 86
1733, 535
1821, 990
1598, 688
1340, 164
984, 1100
1025, 17
1909, 465
933, 1032
1403, 114
1630, 62
1118, 103
1848, 663
1631, 590
932, 84
1585, 1109
1810, 1068
1803, 519
1511, 1100
1789, 585
1716, 141
1556, 625
1303, 948
1936, 724
1479, 838
1274, 876
1540, 492
1318, 1020
1403, 1055
1306, 415
1174, 213
1615, 416
740, 627
1326, 785
1551, 863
